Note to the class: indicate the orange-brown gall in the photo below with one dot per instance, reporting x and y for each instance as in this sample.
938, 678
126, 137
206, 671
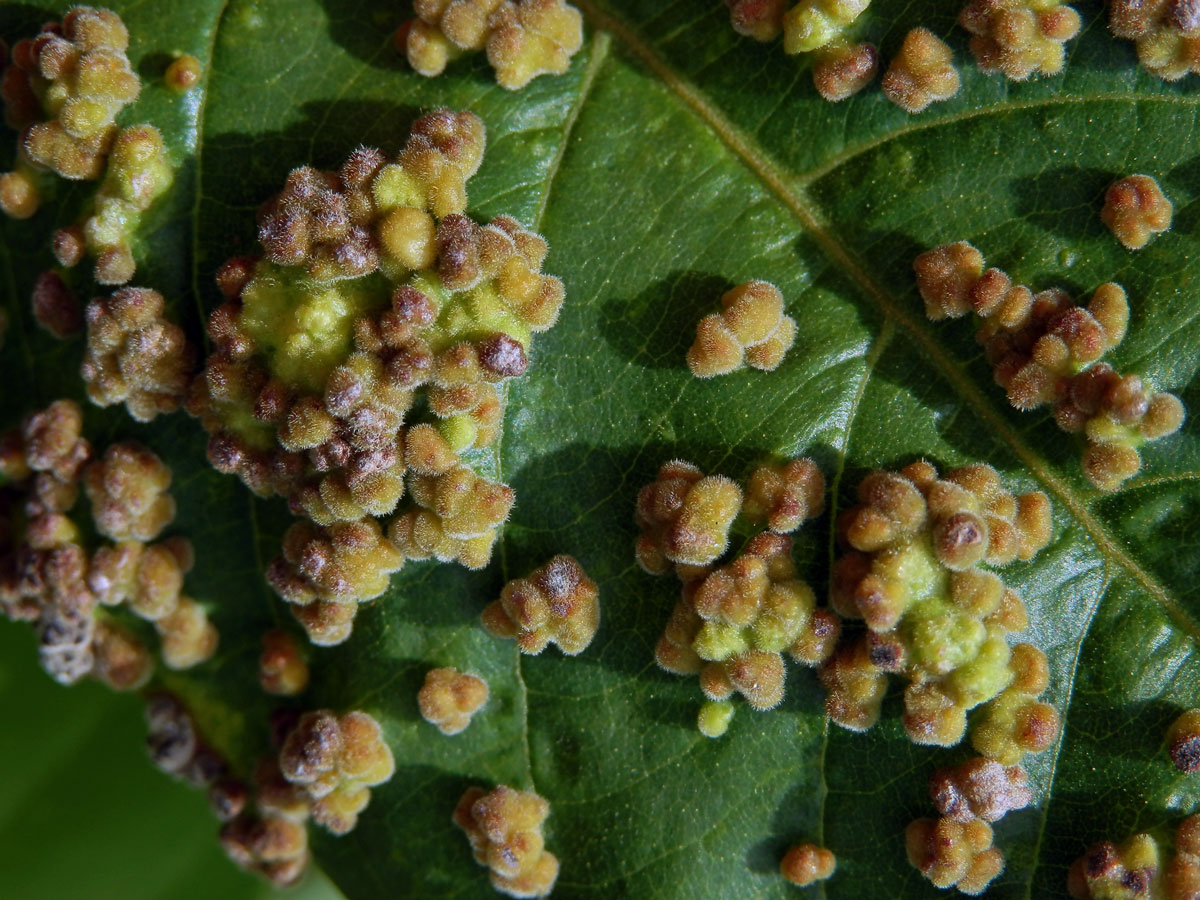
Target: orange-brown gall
1018, 37
19, 195
759, 19
1166, 34
183, 73
921, 73
1135, 210
336, 760
522, 38
135, 355
450, 698
945, 278
187, 637
325, 572
556, 603
979, 788
842, 70
127, 488
751, 330
456, 518
282, 669
785, 496
804, 864
55, 307
504, 827
953, 854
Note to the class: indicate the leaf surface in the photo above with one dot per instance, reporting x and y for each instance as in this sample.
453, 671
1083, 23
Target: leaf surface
674, 160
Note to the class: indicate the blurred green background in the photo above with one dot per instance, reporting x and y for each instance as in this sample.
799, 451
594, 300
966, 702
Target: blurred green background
83, 813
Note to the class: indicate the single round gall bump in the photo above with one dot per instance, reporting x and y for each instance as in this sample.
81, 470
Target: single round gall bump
183, 73
758, 19
282, 669
804, 864
714, 718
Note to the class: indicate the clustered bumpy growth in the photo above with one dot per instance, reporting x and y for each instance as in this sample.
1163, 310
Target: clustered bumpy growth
555, 604
135, 355
1135, 210
1133, 870
921, 73
733, 622
505, 831
374, 291
1019, 37
336, 760
1183, 741
48, 576
1045, 349
841, 67
911, 572
523, 38
807, 863
63, 92
449, 698
751, 330
1166, 33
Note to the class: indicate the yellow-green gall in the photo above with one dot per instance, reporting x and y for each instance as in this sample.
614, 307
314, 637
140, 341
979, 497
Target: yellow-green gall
450, 698
183, 73
1135, 210
1183, 741
813, 24
504, 827
953, 854
556, 603
149, 578
1165, 35
65, 89
19, 195
1129, 871
921, 73
523, 38
456, 518
750, 330
714, 717
282, 669
135, 355
188, 637
804, 864
1019, 37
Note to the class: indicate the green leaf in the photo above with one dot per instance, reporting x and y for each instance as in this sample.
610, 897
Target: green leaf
674, 160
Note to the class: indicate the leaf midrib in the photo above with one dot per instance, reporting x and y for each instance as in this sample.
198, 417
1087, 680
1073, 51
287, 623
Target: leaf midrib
796, 201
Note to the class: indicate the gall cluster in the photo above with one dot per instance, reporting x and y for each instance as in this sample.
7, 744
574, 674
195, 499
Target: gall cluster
751, 330
1134, 869
922, 73
557, 603
733, 622
65, 583
1165, 32
912, 572
505, 831
1135, 210
1019, 38
450, 698
523, 38
1045, 350
374, 297
63, 92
